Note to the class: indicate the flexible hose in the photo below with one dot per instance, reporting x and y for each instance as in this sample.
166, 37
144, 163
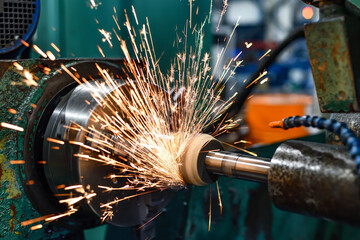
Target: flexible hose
347, 136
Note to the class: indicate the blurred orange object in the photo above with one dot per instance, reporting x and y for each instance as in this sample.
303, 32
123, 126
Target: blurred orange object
265, 108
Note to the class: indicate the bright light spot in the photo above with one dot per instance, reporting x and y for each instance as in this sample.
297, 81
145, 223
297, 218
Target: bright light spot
307, 12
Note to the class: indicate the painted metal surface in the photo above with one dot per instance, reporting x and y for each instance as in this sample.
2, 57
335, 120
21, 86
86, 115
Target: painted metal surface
331, 65
22, 195
15, 207
72, 26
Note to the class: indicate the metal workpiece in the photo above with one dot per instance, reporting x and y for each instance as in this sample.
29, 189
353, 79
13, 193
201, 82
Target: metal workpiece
55, 88
315, 179
204, 161
73, 122
237, 165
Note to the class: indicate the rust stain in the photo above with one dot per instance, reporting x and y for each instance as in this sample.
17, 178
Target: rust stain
322, 45
345, 56
322, 71
342, 95
322, 67
321, 82
17, 197
7, 174
314, 62
335, 47
12, 220
335, 50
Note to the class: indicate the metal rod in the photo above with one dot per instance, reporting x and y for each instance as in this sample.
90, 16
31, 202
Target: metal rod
237, 165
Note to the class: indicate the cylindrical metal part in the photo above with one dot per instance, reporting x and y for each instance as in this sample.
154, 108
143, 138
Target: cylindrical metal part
67, 148
315, 179
237, 165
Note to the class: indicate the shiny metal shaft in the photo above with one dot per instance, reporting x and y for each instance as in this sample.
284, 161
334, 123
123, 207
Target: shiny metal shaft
237, 165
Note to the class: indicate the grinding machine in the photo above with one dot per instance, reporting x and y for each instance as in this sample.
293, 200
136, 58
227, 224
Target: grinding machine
314, 179
42, 113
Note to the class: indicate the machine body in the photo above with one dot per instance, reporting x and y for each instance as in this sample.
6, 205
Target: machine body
295, 176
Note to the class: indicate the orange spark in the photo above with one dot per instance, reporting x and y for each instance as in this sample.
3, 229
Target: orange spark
60, 186
36, 227
55, 141
242, 141
30, 182
25, 43
149, 220
101, 51
219, 197
267, 52
241, 149
209, 211
12, 111
18, 66
70, 73
34, 220
55, 47
39, 51
264, 80
225, 6
257, 79
68, 213
237, 56
107, 37
62, 195
248, 45
12, 127
17, 162
133, 10
73, 187
50, 55
47, 70
29, 79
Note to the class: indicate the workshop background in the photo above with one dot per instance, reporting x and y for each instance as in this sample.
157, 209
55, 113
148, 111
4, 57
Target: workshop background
247, 212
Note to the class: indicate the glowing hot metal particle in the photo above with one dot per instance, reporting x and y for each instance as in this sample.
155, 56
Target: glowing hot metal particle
12, 127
